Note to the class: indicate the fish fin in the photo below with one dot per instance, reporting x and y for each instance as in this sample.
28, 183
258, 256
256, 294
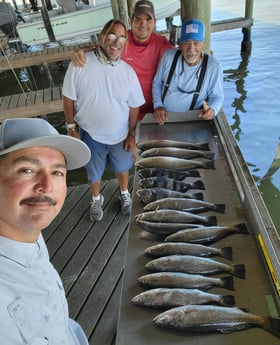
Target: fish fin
242, 228
228, 300
239, 271
198, 185
212, 220
194, 173
220, 208
228, 283
272, 325
198, 196
227, 253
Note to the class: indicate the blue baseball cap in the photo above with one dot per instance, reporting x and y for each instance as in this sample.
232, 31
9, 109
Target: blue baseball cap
192, 30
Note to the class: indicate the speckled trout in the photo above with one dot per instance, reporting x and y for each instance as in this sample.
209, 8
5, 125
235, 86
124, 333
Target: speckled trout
194, 265
208, 318
185, 280
208, 235
184, 248
171, 173
148, 144
164, 298
177, 152
173, 163
175, 216
184, 204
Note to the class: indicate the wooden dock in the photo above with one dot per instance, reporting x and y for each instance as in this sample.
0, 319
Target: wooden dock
90, 259
32, 103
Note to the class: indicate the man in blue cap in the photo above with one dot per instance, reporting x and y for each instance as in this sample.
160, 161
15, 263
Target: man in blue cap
195, 80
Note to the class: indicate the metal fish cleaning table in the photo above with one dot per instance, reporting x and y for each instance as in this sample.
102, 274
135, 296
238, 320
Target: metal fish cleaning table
229, 183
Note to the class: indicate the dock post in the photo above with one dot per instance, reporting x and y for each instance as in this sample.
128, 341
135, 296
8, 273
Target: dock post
193, 9
247, 43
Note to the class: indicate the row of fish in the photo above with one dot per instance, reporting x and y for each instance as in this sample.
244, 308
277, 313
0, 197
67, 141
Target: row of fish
182, 265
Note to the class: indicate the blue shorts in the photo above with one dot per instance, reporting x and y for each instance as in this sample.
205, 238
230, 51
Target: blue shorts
119, 159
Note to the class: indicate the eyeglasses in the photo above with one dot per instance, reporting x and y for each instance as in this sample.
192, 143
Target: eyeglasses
114, 37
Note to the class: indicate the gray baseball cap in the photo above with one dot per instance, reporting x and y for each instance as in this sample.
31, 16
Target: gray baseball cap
20, 133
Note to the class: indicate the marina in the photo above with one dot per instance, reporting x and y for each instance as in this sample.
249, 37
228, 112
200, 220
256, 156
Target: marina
91, 257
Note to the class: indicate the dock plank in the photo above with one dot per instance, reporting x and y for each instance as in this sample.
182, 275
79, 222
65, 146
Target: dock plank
89, 257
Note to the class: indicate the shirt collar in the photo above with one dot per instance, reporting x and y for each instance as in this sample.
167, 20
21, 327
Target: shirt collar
20, 252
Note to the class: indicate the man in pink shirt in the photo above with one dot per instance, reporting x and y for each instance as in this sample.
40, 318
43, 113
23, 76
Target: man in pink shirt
143, 52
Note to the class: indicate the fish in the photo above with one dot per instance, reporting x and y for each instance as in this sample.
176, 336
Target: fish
175, 216
183, 248
147, 195
165, 228
185, 280
211, 318
166, 298
194, 265
184, 204
177, 152
171, 184
173, 163
208, 235
159, 172
148, 144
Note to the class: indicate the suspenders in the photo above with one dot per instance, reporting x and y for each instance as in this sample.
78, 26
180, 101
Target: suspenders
199, 83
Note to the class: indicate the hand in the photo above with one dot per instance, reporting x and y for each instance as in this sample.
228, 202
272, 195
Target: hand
73, 132
78, 58
129, 144
161, 115
206, 113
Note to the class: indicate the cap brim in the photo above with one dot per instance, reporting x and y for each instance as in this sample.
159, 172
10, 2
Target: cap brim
76, 153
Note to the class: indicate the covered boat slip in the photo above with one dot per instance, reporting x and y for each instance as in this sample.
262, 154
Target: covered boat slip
230, 183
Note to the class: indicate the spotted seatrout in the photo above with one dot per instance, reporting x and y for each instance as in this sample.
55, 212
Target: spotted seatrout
164, 298
207, 318
148, 144
185, 280
184, 248
194, 265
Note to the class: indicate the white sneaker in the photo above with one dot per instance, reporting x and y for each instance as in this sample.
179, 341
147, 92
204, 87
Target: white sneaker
125, 203
96, 212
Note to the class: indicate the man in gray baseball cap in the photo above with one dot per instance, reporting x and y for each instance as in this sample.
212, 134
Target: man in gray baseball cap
34, 159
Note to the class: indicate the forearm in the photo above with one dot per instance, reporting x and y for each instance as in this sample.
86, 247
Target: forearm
69, 109
133, 118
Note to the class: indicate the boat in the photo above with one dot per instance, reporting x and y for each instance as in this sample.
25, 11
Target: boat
86, 20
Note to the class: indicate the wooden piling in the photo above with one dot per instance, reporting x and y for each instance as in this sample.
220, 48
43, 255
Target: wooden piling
247, 43
193, 9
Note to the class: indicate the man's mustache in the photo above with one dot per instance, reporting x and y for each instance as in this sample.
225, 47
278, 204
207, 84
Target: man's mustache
38, 200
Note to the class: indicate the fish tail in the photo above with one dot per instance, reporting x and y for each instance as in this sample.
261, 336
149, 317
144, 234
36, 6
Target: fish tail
212, 220
220, 208
272, 325
227, 300
226, 253
204, 146
194, 173
228, 283
239, 271
198, 185
242, 228
211, 155
198, 196
209, 165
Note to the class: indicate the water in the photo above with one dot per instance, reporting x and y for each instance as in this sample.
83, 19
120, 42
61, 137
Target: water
251, 83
